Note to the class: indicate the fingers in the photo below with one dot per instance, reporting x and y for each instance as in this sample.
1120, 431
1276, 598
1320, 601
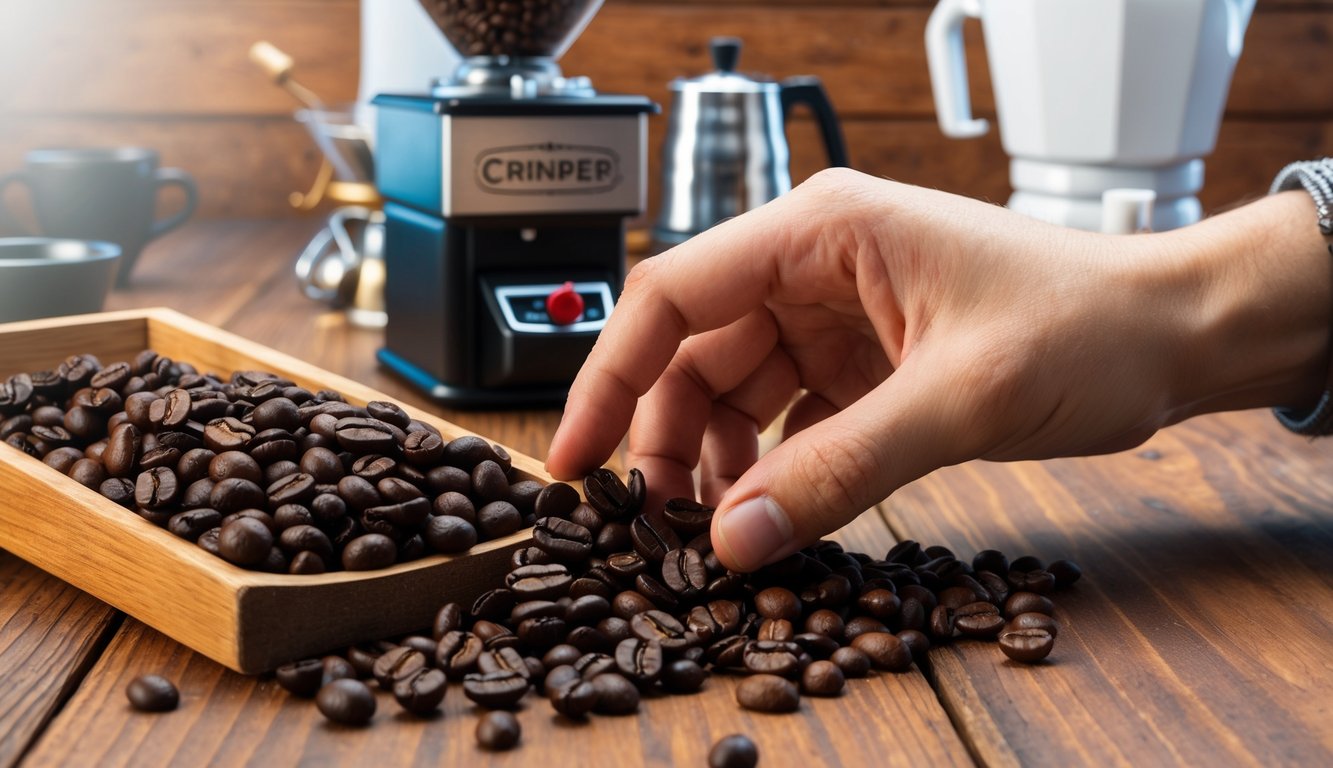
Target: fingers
706, 283
836, 468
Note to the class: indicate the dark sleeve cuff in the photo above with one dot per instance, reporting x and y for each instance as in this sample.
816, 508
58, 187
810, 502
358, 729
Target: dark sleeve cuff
1315, 422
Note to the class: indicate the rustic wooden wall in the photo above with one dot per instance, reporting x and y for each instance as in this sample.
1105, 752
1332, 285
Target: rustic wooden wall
173, 74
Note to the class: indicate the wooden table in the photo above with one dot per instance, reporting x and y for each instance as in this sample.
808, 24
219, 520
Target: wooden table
1202, 632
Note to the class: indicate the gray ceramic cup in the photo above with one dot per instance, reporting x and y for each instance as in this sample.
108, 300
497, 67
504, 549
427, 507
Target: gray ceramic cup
46, 277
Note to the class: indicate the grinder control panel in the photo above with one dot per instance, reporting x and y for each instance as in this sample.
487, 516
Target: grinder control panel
571, 307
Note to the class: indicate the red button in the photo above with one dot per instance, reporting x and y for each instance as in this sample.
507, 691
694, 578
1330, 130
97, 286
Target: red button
564, 305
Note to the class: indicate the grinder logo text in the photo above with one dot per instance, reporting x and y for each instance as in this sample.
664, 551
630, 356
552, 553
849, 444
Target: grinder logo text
548, 169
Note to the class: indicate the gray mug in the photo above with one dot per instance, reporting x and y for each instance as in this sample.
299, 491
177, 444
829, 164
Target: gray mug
105, 194
46, 277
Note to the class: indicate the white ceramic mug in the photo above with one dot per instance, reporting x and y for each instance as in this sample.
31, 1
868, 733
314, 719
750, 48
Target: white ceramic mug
1094, 94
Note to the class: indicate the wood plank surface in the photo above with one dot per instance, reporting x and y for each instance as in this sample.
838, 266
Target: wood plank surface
226, 719
1200, 633
50, 634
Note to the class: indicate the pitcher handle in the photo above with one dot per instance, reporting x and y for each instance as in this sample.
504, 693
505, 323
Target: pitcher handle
810, 91
175, 177
947, 60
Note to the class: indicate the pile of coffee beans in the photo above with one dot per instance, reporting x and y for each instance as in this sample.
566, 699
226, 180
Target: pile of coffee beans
611, 603
507, 27
261, 472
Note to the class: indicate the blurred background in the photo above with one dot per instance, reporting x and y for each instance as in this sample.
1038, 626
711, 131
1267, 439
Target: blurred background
174, 75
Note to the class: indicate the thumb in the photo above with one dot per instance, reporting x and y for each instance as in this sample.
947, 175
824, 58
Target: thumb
822, 477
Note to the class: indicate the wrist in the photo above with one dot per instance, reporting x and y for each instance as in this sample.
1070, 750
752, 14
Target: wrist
1253, 287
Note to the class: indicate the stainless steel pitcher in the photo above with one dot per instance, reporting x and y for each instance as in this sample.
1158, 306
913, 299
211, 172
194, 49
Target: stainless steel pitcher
726, 148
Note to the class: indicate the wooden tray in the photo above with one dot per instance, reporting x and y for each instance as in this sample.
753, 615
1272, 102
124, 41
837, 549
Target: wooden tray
247, 620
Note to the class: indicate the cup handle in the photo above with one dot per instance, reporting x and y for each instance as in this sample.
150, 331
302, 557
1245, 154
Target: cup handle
167, 177
810, 91
947, 60
5, 181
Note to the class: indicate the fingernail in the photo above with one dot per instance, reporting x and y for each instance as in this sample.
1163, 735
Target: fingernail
753, 531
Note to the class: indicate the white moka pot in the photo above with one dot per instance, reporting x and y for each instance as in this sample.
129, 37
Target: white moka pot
1094, 95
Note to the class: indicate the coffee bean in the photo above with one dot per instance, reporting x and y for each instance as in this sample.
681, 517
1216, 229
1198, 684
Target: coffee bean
941, 623
365, 435
771, 657
734, 751
369, 552
119, 490
234, 494
494, 604
227, 434
448, 619
822, 678
449, 535
122, 451
768, 693
683, 572
539, 582
779, 630
561, 675
608, 495
457, 652
499, 518
293, 489
652, 537
152, 693
498, 731
397, 664
1027, 602
687, 517
563, 540
852, 661
917, 643
1032, 621
1066, 572
683, 676
979, 619
245, 541
489, 482
1039, 581
825, 622
574, 698
556, 500
495, 690
616, 695
886, 651
1027, 645
778, 603
189, 525
301, 678
234, 464
640, 660
346, 702
421, 692
661, 627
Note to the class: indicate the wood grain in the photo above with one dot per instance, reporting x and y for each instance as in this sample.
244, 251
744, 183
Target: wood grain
50, 634
227, 719
1197, 635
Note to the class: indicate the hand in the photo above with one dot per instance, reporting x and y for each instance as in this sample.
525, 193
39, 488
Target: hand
902, 330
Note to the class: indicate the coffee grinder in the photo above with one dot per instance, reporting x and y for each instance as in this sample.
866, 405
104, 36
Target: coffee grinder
506, 191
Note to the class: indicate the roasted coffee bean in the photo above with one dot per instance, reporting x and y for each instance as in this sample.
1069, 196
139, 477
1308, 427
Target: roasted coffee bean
276, 413
358, 493
1032, 621
492, 634
489, 483
589, 518
1027, 645
293, 489
616, 695
306, 563
505, 659
494, 604
771, 657
768, 693
156, 489
495, 690
779, 630
979, 619
727, 653
449, 535
563, 540
539, 582
556, 500
640, 660
61, 459
189, 525
499, 518
369, 552
273, 445
541, 632
687, 517
84, 423
421, 643
941, 624
306, 538
457, 652
396, 490
1027, 602
1038, 581
161, 456
957, 597
683, 572
815, 645
448, 619
656, 592
778, 603
560, 655
995, 585
560, 675
119, 490
592, 664
113, 376
523, 495
498, 731
661, 627
292, 515
467, 452
423, 449
822, 678
714, 620
734, 751
365, 435
121, 456
346, 702
421, 692
337, 668
587, 609
609, 495
328, 508
683, 676
574, 698
89, 473
245, 541
301, 678
322, 464
886, 651
613, 537
1066, 572
917, 643
397, 664
852, 661
227, 434
912, 615
614, 629
208, 541
152, 693
652, 537
826, 622
234, 494
172, 410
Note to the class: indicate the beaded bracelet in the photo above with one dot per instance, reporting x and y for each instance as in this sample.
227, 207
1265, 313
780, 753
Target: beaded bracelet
1315, 177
